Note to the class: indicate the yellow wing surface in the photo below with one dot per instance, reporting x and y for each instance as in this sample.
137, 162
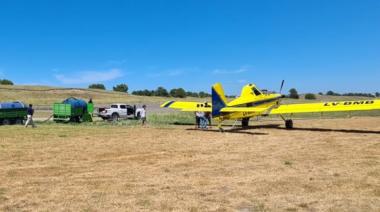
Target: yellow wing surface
328, 107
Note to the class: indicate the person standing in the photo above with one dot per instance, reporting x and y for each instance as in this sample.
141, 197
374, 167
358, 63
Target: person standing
30, 113
143, 115
198, 116
208, 117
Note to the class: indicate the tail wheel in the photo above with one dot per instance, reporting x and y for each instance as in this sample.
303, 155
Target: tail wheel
245, 122
289, 124
115, 117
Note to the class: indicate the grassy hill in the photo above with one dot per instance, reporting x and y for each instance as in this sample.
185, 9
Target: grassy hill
44, 96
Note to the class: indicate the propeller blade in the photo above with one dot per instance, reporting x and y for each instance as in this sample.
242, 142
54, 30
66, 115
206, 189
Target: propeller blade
282, 85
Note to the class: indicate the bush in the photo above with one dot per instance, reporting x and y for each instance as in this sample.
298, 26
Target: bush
97, 86
377, 94
293, 93
5, 82
332, 93
161, 91
178, 93
320, 93
121, 88
310, 96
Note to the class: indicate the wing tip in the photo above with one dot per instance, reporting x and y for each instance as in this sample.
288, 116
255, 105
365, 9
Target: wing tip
167, 104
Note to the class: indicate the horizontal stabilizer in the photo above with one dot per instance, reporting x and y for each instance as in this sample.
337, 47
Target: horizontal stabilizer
188, 106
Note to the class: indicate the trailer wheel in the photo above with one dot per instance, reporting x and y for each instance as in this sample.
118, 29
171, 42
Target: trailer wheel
19, 121
6, 122
115, 117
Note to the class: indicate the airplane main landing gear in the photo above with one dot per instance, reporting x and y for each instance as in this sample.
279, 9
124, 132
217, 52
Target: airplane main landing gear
289, 124
245, 122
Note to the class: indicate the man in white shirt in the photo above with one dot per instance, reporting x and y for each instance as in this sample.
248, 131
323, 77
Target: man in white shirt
143, 115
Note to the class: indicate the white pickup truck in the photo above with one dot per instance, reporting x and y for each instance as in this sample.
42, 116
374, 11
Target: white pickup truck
119, 111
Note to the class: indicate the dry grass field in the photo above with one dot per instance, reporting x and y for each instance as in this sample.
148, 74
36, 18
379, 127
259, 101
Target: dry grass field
322, 165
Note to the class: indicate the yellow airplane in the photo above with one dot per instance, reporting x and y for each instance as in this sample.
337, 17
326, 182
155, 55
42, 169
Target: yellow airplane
253, 102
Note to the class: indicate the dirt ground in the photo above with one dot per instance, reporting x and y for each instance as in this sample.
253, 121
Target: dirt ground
322, 165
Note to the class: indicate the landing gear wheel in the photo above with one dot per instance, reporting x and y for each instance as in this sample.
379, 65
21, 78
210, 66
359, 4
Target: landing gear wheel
245, 122
289, 124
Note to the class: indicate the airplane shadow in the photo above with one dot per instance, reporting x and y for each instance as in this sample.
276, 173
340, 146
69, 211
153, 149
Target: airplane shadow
278, 126
235, 130
281, 127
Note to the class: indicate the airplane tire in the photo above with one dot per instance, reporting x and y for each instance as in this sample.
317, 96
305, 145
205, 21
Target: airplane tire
245, 122
289, 124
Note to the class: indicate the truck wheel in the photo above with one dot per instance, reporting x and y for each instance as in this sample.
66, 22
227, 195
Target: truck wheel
115, 117
138, 116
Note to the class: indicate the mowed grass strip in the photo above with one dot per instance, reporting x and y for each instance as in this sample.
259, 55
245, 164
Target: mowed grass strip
120, 168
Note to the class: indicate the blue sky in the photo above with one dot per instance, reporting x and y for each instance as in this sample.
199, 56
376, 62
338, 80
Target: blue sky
314, 45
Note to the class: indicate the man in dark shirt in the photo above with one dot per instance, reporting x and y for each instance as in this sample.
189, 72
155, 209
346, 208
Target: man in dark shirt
30, 112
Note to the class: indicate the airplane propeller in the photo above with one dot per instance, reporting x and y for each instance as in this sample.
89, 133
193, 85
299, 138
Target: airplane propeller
282, 85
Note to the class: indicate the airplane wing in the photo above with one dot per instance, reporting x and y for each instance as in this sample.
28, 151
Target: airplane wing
188, 106
327, 107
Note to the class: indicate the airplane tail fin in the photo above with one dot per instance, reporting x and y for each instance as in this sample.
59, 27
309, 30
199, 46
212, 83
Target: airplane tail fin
219, 100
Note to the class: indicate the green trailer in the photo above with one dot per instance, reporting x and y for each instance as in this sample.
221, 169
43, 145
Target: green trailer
12, 113
64, 112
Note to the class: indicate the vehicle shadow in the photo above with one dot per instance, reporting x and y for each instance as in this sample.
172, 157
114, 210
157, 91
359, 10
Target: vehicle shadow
279, 127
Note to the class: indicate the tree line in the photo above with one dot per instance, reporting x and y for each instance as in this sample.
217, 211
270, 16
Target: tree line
293, 94
160, 91
175, 92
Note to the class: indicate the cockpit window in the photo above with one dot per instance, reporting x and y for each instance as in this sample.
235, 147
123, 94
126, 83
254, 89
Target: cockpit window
257, 92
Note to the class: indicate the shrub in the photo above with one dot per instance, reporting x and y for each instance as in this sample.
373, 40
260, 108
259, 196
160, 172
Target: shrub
121, 88
377, 94
332, 93
293, 93
5, 82
310, 96
178, 93
97, 86
161, 91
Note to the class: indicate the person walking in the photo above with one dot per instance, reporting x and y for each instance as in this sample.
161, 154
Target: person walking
30, 113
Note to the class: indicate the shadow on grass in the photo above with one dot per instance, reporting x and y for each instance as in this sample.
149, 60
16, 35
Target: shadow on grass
234, 130
278, 126
281, 127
